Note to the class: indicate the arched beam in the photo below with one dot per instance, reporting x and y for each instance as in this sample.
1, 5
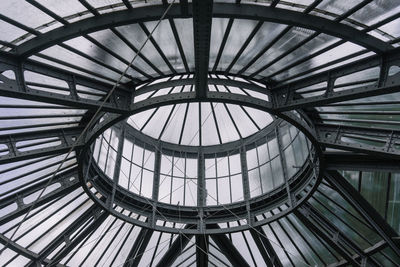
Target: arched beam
190, 81
221, 10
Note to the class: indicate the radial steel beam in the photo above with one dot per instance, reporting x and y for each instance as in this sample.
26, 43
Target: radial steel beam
264, 246
355, 162
136, 252
348, 192
21, 250
98, 220
18, 88
202, 250
175, 249
228, 249
202, 19
67, 185
65, 237
307, 215
284, 104
16, 152
374, 141
285, 96
223, 10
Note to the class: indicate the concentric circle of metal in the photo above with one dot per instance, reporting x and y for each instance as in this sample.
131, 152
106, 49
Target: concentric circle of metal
325, 69
184, 188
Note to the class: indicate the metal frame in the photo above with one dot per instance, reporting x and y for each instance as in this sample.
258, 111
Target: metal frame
333, 236
309, 174
222, 10
355, 162
228, 249
202, 18
19, 88
366, 210
379, 146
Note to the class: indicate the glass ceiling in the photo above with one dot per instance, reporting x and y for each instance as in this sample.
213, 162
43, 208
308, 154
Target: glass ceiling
329, 68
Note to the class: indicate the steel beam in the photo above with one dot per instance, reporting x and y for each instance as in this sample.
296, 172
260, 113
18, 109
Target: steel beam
67, 185
348, 192
16, 152
368, 251
156, 184
333, 97
136, 252
264, 246
246, 184
282, 158
201, 250
201, 191
223, 10
286, 98
118, 162
175, 249
118, 103
329, 233
293, 18
355, 162
98, 220
202, 19
94, 212
228, 249
374, 141
211, 81
18, 248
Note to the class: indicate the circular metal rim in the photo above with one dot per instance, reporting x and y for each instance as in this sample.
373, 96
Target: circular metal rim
297, 120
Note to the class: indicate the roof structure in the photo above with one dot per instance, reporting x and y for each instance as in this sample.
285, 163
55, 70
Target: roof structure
199, 133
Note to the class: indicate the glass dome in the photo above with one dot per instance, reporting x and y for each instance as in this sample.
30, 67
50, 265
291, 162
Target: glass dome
223, 171
199, 133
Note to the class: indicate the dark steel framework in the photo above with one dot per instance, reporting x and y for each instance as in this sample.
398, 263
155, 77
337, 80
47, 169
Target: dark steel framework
379, 147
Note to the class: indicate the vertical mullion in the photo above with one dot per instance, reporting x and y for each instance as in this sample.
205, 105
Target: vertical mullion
201, 192
184, 179
259, 170
108, 150
172, 178
200, 125
142, 170
388, 194
131, 165
230, 180
270, 164
283, 163
245, 183
118, 162
216, 177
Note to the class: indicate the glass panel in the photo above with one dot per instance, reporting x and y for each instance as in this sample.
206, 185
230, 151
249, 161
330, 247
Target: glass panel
374, 188
394, 202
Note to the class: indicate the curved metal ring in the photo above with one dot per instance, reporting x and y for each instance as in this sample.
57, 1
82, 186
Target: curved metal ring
302, 184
